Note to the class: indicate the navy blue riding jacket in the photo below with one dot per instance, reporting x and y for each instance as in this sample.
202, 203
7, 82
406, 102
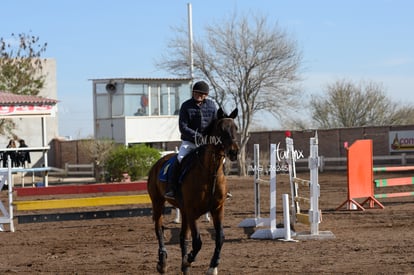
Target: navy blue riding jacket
194, 119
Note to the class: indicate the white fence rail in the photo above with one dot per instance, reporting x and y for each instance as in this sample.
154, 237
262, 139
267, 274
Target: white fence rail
336, 163
330, 164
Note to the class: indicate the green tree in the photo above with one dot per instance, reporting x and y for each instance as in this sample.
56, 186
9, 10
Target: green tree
348, 104
250, 65
135, 160
20, 69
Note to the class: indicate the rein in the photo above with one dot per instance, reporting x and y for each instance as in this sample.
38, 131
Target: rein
217, 163
214, 146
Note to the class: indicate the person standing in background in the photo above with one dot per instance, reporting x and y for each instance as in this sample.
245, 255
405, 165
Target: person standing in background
11, 154
24, 156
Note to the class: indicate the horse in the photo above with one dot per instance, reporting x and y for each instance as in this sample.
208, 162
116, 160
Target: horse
202, 189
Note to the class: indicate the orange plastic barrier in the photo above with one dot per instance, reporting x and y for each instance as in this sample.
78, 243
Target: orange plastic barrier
360, 176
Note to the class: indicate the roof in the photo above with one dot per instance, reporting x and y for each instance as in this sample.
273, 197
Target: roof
15, 99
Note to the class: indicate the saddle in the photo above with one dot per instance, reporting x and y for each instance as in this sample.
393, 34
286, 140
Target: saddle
165, 171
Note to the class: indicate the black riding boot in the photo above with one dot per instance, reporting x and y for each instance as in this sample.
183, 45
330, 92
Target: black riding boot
172, 182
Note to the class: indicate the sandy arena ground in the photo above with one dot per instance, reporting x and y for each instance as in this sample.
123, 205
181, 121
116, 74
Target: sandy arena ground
374, 241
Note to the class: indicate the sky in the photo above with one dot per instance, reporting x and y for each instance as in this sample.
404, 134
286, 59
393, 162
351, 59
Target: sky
357, 40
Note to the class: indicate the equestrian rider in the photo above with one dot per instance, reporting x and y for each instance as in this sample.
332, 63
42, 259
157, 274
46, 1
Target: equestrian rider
196, 114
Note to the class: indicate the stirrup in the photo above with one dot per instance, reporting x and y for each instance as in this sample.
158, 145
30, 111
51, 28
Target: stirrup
170, 195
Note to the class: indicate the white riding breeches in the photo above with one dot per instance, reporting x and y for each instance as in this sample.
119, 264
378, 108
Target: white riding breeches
185, 148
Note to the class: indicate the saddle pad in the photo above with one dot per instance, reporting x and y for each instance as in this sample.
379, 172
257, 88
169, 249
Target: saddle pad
163, 175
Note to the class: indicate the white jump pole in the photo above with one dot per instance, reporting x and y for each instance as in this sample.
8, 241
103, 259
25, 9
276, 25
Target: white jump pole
291, 159
10, 190
314, 213
272, 232
257, 220
7, 214
286, 219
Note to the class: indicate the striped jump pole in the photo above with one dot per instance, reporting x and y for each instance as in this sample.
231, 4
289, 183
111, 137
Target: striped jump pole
81, 189
394, 195
81, 202
392, 182
393, 169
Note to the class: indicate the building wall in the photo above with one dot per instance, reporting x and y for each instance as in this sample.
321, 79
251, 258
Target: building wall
130, 129
152, 129
68, 151
331, 141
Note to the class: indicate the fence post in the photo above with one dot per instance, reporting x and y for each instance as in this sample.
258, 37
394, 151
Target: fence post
66, 169
403, 159
321, 163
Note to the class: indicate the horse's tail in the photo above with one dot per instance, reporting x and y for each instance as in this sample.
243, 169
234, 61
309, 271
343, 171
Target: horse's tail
153, 177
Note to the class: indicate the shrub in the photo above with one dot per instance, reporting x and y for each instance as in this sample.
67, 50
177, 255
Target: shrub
135, 160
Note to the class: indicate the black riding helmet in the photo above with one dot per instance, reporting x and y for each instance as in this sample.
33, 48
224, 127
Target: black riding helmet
201, 87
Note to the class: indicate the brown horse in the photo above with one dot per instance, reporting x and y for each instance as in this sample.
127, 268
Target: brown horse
202, 189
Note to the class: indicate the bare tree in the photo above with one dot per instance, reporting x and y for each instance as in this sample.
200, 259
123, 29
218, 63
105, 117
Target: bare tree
98, 151
249, 65
20, 69
347, 104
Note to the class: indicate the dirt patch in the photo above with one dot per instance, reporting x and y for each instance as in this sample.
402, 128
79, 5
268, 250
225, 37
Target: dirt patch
374, 241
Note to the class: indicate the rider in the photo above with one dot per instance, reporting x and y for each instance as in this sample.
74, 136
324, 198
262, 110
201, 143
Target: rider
196, 114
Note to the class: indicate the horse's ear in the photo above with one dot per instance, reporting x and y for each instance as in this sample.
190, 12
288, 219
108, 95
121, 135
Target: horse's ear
234, 113
220, 113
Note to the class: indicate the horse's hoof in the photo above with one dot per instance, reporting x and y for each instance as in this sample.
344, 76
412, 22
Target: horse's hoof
161, 268
212, 271
185, 262
162, 262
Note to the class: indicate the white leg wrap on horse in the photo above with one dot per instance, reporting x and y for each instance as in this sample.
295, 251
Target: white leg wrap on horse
212, 271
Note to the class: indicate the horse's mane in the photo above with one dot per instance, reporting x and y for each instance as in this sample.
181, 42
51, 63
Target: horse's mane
188, 160
220, 115
211, 127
